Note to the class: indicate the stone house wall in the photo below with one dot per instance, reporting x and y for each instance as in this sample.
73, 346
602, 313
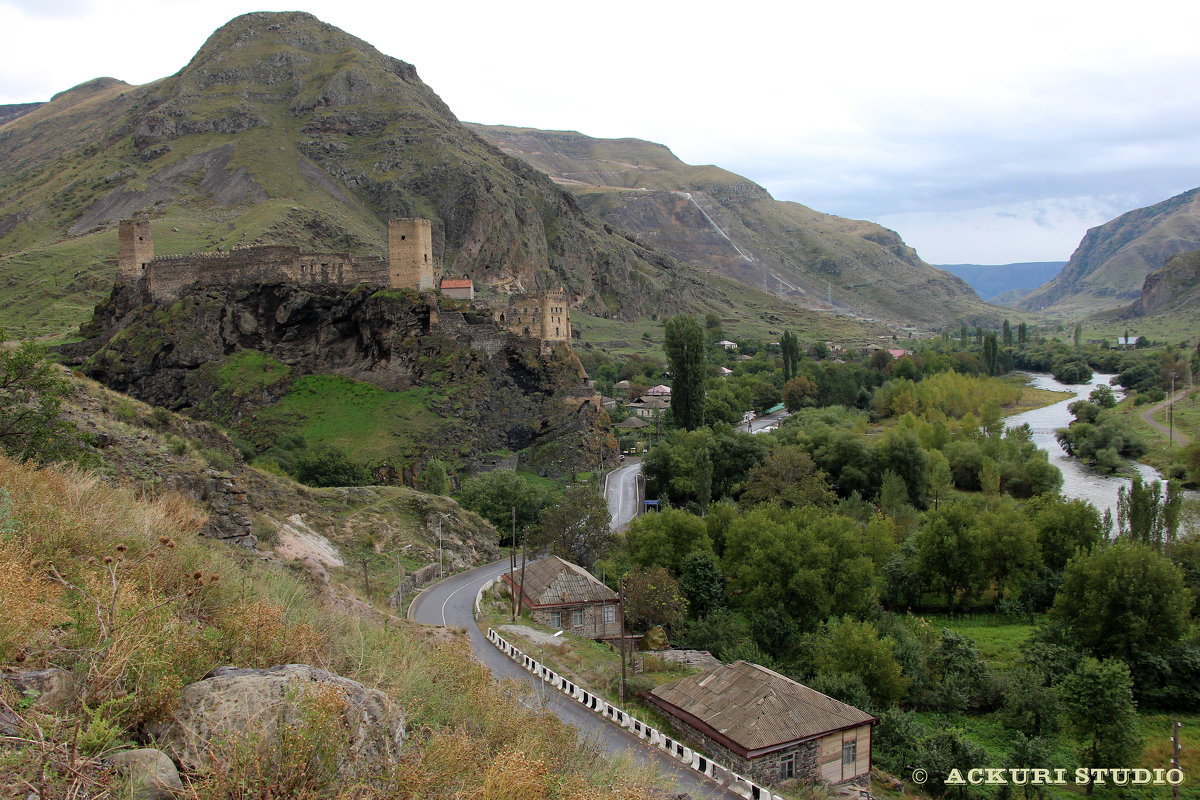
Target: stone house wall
593, 619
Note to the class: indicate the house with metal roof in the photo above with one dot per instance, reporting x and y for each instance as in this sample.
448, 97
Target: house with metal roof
566, 596
767, 726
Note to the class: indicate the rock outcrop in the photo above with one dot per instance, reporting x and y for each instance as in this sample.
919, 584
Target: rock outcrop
232, 705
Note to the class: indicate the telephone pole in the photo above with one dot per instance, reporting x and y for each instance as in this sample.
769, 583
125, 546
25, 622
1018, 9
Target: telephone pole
1175, 748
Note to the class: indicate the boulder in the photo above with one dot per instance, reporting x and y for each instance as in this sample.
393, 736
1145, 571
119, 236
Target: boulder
232, 704
51, 689
150, 773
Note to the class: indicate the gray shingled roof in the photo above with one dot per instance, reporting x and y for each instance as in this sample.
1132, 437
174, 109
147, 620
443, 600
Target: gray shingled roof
757, 708
553, 581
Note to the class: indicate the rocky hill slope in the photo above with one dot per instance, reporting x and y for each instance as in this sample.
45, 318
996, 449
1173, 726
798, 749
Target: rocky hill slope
283, 129
1173, 289
1108, 268
709, 216
387, 377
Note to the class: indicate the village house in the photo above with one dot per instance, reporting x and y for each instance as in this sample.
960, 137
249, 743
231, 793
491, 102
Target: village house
565, 596
728, 345
458, 288
648, 407
662, 390
767, 726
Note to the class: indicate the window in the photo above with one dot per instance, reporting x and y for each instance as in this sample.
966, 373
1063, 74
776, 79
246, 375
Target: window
849, 752
555, 619
577, 617
787, 766
610, 614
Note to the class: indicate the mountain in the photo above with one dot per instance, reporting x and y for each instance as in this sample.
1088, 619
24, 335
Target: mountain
996, 281
1108, 268
1174, 288
15, 110
709, 216
283, 129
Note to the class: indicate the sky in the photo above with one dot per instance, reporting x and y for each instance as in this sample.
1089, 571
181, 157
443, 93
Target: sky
981, 133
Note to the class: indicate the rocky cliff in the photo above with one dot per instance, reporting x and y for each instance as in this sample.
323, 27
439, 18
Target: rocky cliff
389, 377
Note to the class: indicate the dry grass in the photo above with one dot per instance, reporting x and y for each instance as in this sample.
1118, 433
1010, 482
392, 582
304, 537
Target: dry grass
123, 592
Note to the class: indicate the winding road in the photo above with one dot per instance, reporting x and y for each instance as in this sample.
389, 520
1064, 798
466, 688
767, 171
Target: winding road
452, 602
1182, 440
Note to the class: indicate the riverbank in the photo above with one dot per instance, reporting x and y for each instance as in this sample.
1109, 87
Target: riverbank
1033, 397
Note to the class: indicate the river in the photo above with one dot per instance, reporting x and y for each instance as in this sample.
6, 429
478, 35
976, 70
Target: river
1078, 481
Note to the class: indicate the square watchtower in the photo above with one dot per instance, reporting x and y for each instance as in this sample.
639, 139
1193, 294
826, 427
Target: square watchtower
134, 249
410, 254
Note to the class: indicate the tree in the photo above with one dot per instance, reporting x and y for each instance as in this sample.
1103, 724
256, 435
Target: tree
857, 648
991, 354
684, 345
31, 395
702, 582
434, 478
959, 676
576, 526
789, 477
797, 392
1123, 601
940, 477
1098, 704
1144, 515
1022, 334
790, 345
1078, 333
1007, 335
1063, 526
665, 539
492, 495
329, 466
902, 453
652, 597
949, 552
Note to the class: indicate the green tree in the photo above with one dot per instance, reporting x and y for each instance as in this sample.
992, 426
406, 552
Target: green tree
702, 582
665, 539
1063, 526
1098, 704
790, 345
329, 466
1144, 515
940, 477
901, 452
1022, 334
1007, 335
1077, 336
1010, 547
789, 477
492, 495
991, 354
949, 552
959, 678
652, 597
684, 345
434, 478
576, 526
853, 647
1123, 601
962, 336
31, 395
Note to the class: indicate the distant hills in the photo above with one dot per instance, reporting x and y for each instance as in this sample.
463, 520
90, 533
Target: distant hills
712, 217
1111, 264
1004, 283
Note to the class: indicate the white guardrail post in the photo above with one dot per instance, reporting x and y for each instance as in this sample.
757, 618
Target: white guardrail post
687, 756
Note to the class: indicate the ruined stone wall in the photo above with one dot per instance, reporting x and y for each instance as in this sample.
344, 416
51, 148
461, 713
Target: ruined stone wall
167, 276
134, 248
542, 316
410, 255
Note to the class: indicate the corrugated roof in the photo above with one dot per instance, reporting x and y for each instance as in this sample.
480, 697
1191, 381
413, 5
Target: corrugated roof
758, 708
553, 581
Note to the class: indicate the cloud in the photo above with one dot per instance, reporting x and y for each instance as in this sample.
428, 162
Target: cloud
49, 8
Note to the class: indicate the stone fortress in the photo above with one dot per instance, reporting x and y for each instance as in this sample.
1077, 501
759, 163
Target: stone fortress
410, 264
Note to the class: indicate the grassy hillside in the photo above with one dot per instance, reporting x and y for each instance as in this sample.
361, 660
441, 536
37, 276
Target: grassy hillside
126, 599
283, 129
709, 216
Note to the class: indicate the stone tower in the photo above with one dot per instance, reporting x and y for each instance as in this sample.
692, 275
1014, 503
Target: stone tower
134, 248
556, 319
410, 254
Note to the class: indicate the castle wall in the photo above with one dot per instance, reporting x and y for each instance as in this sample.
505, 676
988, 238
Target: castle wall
166, 276
539, 316
134, 248
410, 255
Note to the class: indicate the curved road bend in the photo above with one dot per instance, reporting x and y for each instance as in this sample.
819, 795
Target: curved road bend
622, 494
452, 602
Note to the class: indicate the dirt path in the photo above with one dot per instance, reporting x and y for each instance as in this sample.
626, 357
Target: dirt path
1148, 416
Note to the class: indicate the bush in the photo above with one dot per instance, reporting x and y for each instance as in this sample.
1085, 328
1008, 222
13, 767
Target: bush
329, 466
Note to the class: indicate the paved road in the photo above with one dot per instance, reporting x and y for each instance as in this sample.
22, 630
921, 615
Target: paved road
452, 602
1181, 440
622, 493
760, 424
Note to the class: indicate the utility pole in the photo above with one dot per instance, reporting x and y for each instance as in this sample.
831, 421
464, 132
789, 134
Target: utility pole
512, 564
1175, 748
366, 577
621, 616
524, 558
1171, 413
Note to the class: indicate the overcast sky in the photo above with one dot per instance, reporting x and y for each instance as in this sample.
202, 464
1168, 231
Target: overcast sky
982, 133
